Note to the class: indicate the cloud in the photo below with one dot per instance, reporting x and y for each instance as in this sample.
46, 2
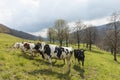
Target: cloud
36, 15
96, 22
30, 2
42, 33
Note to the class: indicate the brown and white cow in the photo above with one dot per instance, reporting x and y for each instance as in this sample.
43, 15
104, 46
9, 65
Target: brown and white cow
33, 48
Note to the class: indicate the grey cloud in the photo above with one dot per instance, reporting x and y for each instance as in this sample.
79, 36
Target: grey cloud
101, 8
32, 18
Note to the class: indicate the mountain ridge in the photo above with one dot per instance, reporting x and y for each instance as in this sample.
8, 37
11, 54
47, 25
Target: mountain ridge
17, 33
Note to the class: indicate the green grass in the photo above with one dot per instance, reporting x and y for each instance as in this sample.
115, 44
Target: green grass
99, 65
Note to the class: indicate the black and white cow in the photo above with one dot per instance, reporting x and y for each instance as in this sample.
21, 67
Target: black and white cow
79, 54
33, 48
56, 52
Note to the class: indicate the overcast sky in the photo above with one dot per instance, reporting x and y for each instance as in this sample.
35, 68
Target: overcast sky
35, 16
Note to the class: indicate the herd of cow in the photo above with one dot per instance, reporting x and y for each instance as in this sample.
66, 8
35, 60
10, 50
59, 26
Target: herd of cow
50, 51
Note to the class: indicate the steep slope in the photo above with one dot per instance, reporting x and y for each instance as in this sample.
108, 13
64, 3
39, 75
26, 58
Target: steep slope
4, 29
24, 35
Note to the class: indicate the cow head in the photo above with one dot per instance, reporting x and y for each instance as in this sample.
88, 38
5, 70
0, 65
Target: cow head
79, 52
46, 47
27, 46
56, 50
82, 51
38, 46
47, 50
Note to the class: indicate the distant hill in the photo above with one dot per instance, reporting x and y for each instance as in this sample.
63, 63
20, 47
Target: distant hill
21, 34
102, 28
4, 29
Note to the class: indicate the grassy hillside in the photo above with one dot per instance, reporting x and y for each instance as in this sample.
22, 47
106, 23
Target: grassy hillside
14, 65
21, 34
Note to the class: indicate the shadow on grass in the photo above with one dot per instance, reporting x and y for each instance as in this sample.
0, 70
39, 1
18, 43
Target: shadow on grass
26, 56
51, 73
96, 51
42, 61
118, 62
29, 57
80, 70
58, 65
47, 63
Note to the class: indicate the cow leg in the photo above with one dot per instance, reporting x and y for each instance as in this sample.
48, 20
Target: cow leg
78, 61
82, 63
68, 63
31, 52
50, 61
75, 59
64, 61
41, 53
23, 51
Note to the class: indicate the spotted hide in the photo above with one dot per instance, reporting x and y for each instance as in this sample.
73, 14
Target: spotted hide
56, 52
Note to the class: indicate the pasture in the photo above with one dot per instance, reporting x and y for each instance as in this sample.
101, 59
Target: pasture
99, 65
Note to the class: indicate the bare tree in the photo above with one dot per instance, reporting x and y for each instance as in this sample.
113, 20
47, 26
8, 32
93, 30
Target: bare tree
67, 35
118, 49
79, 26
49, 34
60, 26
53, 35
72, 38
113, 32
108, 45
90, 36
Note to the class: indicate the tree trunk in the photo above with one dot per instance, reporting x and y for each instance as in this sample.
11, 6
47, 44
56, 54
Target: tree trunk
78, 44
90, 46
78, 40
115, 47
115, 58
50, 40
53, 40
60, 42
66, 43
86, 45
111, 51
